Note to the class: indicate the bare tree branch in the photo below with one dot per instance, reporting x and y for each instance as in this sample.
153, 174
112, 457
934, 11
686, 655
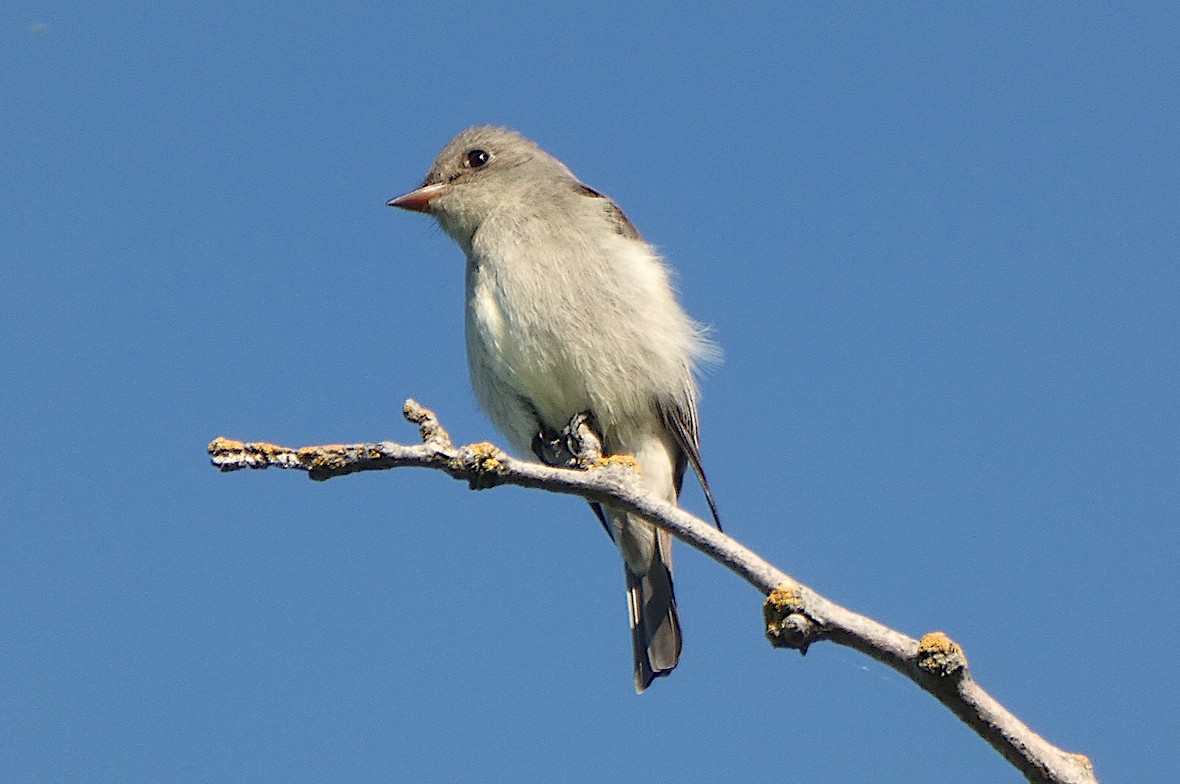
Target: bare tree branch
795, 615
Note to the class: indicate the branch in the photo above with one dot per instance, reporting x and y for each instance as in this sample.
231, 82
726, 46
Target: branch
796, 616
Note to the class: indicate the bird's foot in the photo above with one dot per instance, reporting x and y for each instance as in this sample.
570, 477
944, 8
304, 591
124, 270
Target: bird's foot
578, 445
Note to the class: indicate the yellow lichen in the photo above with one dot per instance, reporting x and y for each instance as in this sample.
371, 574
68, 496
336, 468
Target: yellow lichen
785, 599
221, 444
327, 457
939, 655
485, 456
787, 624
626, 461
781, 602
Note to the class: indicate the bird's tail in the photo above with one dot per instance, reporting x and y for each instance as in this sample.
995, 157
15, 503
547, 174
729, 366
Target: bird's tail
655, 625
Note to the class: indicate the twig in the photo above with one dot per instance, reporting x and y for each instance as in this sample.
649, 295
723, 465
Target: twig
796, 616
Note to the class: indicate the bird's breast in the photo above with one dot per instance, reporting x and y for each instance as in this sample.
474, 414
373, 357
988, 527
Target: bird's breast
522, 358
561, 325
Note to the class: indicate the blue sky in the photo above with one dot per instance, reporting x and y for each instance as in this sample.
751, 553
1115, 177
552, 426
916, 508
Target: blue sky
937, 244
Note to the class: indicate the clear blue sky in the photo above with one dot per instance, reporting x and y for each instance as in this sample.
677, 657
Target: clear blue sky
938, 245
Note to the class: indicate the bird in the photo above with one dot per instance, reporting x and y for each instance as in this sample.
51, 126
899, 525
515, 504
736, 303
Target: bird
570, 312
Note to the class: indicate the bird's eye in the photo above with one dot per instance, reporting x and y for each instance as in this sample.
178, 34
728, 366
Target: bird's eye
476, 158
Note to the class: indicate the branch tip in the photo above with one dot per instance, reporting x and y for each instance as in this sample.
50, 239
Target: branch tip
429, 428
222, 444
230, 455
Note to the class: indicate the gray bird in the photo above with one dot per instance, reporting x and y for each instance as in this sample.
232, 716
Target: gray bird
569, 311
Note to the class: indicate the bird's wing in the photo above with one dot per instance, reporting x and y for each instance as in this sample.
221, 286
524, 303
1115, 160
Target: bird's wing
681, 421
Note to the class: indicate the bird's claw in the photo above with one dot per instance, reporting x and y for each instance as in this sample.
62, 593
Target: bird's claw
578, 445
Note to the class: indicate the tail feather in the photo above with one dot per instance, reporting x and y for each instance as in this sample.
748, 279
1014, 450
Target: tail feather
655, 624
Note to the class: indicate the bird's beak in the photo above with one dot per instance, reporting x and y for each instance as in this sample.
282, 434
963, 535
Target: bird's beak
419, 200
